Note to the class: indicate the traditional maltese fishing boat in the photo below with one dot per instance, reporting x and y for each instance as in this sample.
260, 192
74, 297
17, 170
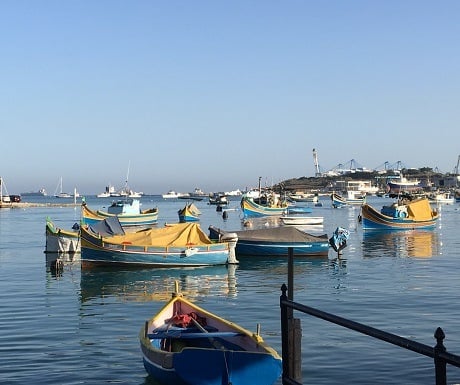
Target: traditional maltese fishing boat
189, 213
404, 214
127, 211
176, 245
253, 209
184, 344
60, 240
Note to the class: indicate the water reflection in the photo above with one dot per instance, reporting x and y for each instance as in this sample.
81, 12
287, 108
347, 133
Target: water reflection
57, 263
410, 243
143, 285
278, 265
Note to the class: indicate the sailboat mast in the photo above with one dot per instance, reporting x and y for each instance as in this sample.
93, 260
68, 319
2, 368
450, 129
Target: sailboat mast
127, 174
127, 179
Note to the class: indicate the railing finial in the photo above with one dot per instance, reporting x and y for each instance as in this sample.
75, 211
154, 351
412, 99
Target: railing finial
439, 335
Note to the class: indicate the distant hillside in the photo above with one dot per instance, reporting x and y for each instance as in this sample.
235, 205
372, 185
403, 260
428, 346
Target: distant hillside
379, 179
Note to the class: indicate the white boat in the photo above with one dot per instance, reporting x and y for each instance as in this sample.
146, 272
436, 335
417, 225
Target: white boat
58, 193
4, 196
303, 197
300, 220
198, 194
355, 187
171, 194
234, 193
442, 197
126, 191
108, 190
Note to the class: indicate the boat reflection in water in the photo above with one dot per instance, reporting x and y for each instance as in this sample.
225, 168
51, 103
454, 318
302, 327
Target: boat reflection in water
410, 243
143, 285
267, 267
57, 263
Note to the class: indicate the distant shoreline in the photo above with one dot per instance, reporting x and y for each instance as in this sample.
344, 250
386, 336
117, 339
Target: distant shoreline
19, 205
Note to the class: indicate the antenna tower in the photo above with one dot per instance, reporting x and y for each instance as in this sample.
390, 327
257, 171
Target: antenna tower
315, 162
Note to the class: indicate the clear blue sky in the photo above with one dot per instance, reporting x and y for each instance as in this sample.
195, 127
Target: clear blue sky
214, 94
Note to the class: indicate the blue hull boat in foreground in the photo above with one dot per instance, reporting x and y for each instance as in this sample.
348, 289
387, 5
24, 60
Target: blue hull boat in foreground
184, 344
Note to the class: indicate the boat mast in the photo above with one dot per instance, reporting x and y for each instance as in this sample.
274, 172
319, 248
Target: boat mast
58, 190
127, 178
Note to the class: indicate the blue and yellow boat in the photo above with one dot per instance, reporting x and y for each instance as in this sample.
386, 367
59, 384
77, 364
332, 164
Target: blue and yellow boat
272, 207
415, 214
177, 245
189, 213
184, 344
127, 211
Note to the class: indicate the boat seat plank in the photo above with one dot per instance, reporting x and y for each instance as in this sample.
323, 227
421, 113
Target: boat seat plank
178, 334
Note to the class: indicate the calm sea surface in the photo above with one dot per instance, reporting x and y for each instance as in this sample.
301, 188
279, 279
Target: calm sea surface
81, 327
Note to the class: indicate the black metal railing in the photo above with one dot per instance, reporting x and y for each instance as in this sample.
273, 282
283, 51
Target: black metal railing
438, 352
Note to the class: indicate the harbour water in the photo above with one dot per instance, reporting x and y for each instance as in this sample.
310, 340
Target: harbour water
81, 327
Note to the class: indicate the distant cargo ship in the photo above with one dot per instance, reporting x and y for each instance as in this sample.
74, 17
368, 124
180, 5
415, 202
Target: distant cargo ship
40, 193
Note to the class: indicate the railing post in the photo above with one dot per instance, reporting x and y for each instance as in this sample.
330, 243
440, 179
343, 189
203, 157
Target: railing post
284, 332
440, 363
290, 286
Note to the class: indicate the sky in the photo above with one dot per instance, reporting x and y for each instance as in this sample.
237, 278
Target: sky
215, 94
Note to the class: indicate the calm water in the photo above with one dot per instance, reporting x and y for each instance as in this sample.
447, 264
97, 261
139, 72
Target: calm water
81, 327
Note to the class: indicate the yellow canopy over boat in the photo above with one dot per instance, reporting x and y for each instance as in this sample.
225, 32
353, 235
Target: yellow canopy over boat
180, 234
420, 210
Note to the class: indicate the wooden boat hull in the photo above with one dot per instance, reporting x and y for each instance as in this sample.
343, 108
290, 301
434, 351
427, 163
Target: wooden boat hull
252, 209
61, 241
339, 201
373, 219
123, 251
215, 353
276, 242
145, 219
189, 213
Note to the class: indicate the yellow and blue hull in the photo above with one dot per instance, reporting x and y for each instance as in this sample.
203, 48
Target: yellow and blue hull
220, 352
375, 220
99, 251
252, 209
145, 219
